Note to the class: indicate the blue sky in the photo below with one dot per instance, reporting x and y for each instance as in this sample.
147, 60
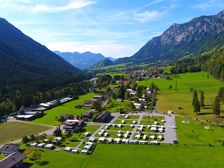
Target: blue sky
116, 28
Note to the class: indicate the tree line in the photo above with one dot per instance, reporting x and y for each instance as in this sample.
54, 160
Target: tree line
198, 101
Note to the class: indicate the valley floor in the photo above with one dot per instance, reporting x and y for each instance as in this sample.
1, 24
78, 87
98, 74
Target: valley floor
132, 156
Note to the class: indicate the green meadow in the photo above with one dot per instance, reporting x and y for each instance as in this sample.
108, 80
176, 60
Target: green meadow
132, 156
198, 147
192, 132
51, 115
179, 98
11, 131
115, 106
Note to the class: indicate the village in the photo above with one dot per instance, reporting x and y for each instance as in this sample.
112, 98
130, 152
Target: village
117, 110
141, 125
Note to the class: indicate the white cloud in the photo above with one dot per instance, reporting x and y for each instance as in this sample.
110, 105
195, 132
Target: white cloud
153, 3
72, 5
146, 16
209, 4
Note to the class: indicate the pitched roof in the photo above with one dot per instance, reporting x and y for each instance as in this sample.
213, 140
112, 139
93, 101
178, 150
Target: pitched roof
12, 160
103, 116
7, 147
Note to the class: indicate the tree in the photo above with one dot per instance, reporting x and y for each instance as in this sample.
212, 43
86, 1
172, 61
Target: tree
69, 134
132, 106
216, 107
35, 156
126, 95
25, 140
32, 138
202, 99
221, 94
195, 102
139, 91
121, 92
97, 106
57, 132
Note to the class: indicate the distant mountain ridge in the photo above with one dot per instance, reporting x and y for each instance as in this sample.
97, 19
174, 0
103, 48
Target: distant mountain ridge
103, 63
181, 40
23, 58
81, 60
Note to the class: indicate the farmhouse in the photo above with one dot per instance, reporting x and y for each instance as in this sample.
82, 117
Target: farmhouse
65, 117
8, 149
97, 98
138, 105
73, 125
28, 115
104, 117
88, 104
13, 160
87, 115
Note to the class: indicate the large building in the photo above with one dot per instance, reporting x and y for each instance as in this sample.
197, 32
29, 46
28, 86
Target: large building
12, 161
8, 149
103, 118
73, 125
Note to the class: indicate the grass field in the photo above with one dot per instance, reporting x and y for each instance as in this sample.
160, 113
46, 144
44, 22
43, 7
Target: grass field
194, 133
2, 157
52, 159
15, 130
196, 154
122, 156
182, 97
67, 108
115, 106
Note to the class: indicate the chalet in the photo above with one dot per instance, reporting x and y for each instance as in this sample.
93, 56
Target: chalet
138, 105
103, 118
131, 92
87, 115
74, 125
97, 98
12, 161
65, 117
8, 149
88, 104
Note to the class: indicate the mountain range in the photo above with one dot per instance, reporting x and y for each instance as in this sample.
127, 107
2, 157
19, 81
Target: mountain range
103, 63
82, 60
182, 40
22, 58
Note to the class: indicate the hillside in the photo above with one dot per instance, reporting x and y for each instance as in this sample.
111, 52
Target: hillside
81, 60
181, 40
103, 63
22, 58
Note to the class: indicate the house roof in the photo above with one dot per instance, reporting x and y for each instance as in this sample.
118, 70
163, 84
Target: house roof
12, 160
66, 116
103, 116
8, 147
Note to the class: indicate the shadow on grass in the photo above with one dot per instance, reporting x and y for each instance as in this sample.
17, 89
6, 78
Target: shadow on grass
205, 113
43, 163
26, 165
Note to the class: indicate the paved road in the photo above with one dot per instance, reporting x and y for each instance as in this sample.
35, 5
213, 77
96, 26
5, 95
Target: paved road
170, 133
136, 127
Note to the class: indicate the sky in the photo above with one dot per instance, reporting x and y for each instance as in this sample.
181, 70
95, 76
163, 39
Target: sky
116, 28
